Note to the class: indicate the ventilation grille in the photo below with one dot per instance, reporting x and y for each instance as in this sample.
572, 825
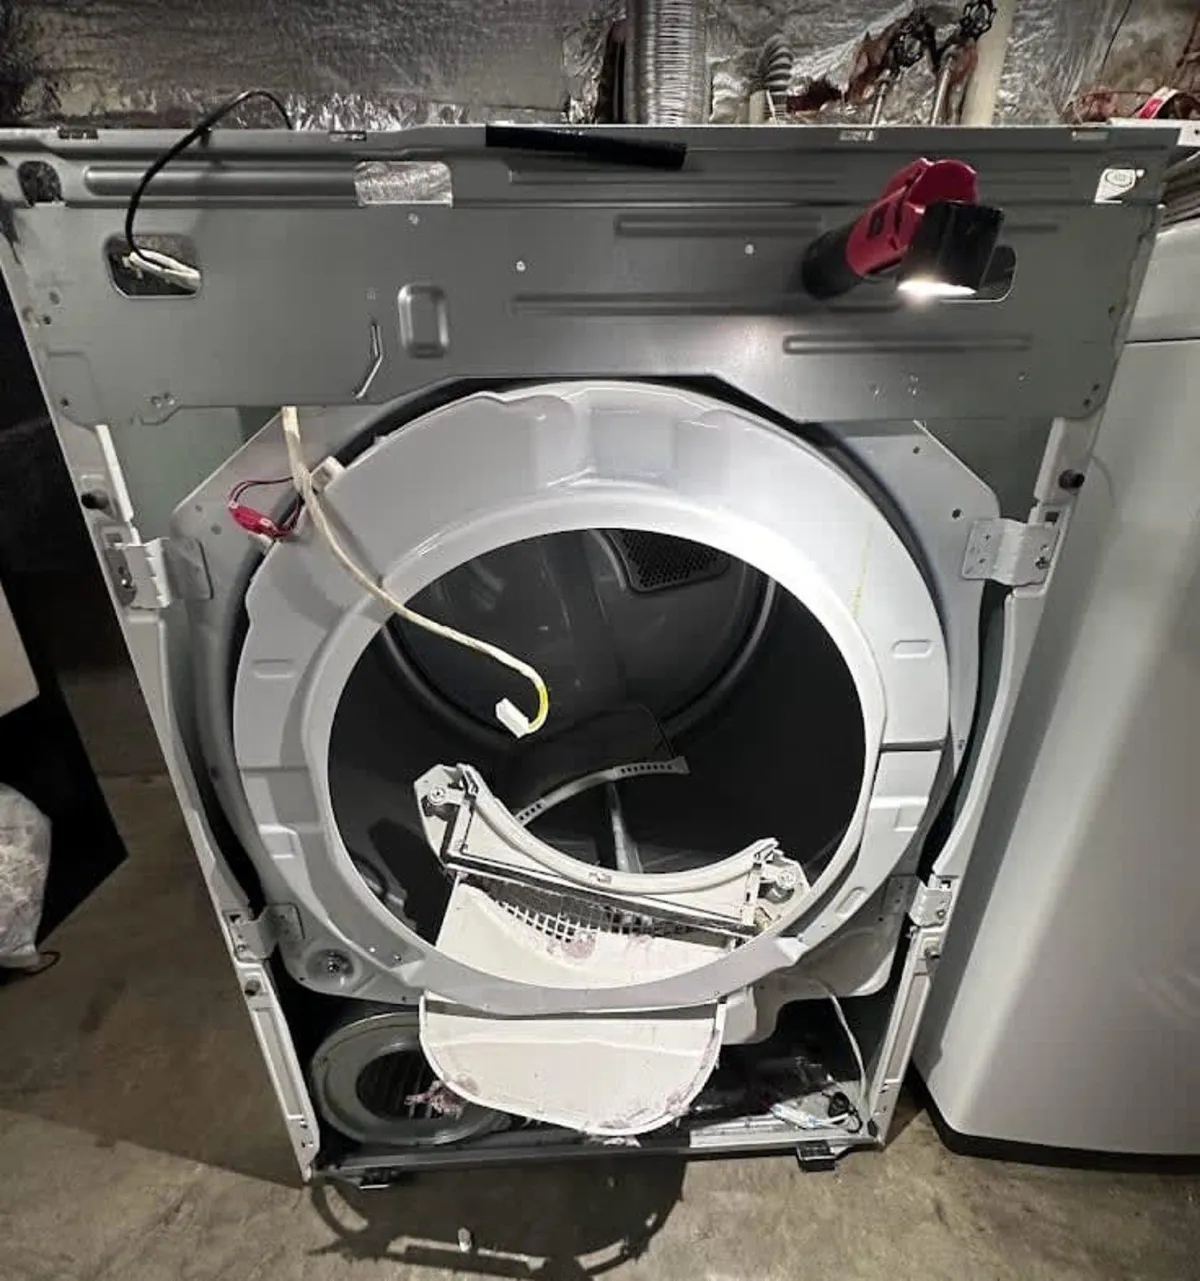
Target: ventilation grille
658, 562
569, 920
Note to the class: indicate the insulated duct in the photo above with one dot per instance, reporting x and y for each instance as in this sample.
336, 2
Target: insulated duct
357, 64
666, 80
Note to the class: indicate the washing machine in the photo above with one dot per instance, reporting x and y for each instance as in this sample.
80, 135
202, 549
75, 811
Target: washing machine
580, 652
1086, 864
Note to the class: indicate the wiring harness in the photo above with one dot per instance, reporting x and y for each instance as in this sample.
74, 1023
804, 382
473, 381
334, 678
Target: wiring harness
507, 713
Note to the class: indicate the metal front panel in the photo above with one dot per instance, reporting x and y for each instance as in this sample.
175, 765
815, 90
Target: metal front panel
557, 267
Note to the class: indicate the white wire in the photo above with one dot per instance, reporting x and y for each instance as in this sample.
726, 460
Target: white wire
508, 715
164, 267
863, 1110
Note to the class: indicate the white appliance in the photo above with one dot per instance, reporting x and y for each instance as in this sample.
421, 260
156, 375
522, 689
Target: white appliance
1066, 1012
584, 413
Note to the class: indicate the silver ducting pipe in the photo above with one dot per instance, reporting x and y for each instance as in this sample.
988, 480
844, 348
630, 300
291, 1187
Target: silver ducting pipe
666, 76
979, 103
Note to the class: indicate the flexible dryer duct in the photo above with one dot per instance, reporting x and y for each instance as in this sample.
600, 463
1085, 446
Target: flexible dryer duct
667, 79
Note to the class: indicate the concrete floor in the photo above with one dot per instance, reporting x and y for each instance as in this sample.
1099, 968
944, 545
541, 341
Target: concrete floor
138, 1141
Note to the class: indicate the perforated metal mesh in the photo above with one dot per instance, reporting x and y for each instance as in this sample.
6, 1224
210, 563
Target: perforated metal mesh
657, 562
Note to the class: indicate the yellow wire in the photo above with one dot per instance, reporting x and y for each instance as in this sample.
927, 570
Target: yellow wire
303, 480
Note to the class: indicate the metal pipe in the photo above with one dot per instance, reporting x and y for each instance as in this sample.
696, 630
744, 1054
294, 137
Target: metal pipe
882, 88
666, 80
943, 88
979, 102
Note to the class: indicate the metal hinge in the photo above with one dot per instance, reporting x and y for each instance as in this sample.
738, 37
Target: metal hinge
931, 902
255, 937
1010, 552
152, 574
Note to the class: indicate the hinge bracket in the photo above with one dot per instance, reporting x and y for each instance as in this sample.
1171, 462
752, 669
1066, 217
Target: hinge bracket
1010, 552
931, 903
255, 937
152, 574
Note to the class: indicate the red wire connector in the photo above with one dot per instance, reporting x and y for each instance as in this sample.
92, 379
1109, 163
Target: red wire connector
256, 522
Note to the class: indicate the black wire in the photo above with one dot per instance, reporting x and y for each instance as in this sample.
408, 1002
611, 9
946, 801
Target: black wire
1112, 40
193, 135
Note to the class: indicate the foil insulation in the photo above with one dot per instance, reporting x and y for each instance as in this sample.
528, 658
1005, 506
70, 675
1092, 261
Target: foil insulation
341, 64
1054, 51
386, 64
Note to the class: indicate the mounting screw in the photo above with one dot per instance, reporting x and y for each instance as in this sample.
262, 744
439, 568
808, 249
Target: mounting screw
933, 951
95, 500
335, 963
940, 914
437, 795
1071, 481
253, 988
466, 1242
1043, 561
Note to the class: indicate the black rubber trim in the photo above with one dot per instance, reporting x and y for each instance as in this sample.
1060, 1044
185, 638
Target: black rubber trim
376, 1167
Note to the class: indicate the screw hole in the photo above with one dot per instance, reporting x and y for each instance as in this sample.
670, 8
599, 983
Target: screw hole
916, 449
54, 297
40, 184
64, 402
956, 513
46, 320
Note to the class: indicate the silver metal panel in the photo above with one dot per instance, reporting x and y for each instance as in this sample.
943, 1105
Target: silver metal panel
565, 268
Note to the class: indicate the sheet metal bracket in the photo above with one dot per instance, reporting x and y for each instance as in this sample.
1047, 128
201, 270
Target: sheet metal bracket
1010, 552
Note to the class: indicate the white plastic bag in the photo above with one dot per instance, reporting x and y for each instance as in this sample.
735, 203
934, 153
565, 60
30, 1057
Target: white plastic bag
24, 862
